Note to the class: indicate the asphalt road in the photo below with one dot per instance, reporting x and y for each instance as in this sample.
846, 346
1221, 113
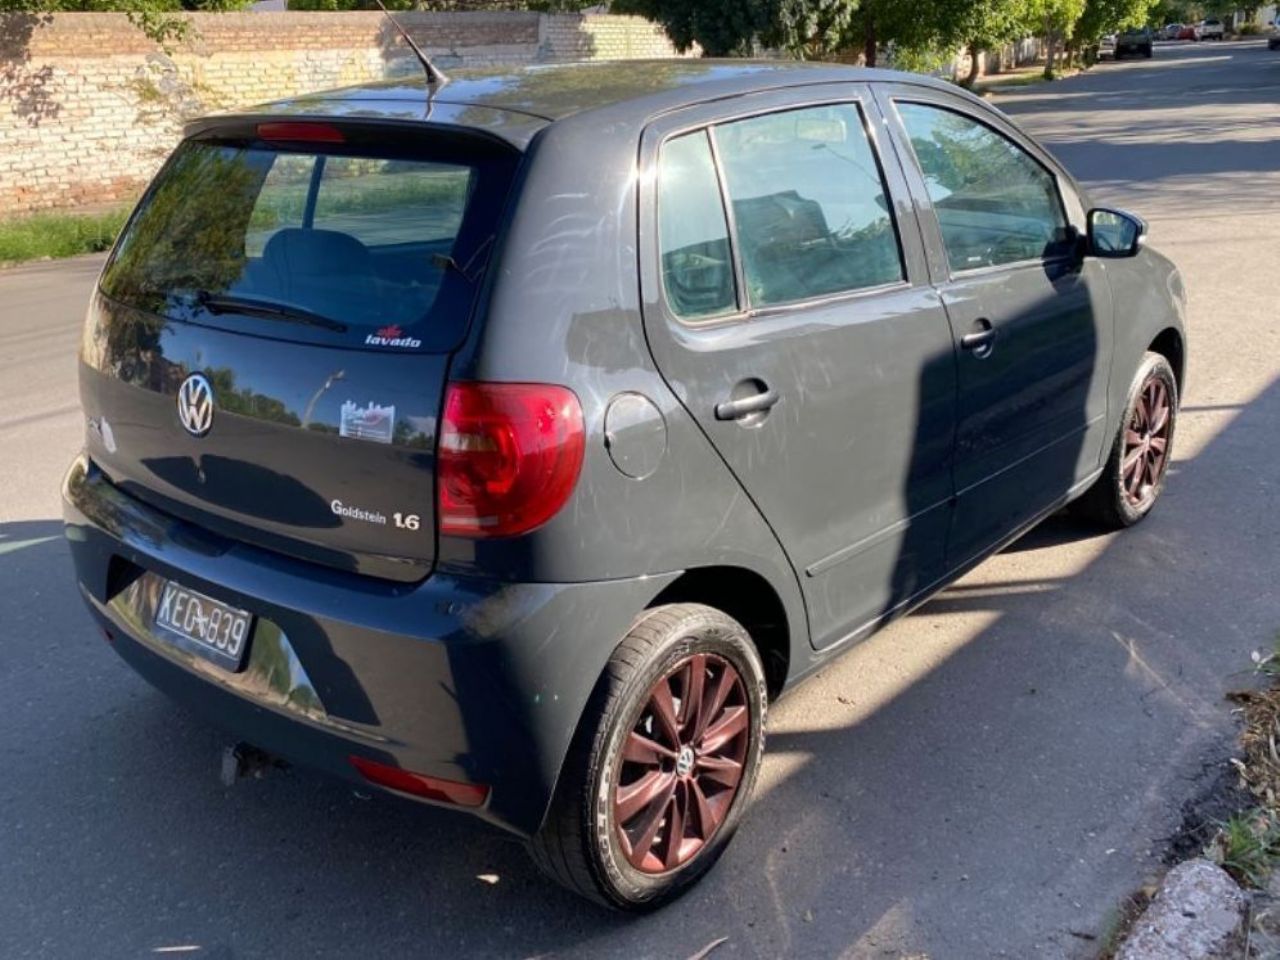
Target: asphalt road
986, 778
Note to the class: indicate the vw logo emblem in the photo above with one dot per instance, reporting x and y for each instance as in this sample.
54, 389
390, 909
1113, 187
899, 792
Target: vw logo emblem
195, 404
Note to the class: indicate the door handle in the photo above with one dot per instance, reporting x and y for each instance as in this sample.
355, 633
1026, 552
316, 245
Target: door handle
981, 340
737, 409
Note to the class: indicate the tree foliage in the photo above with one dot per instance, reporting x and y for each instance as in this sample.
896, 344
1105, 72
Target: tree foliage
906, 24
977, 25
721, 28
1106, 16
809, 29
542, 6
117, 6
160, 20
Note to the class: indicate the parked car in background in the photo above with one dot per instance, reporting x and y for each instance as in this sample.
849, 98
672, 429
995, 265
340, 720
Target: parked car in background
508, 445
1137, 41
1107, 47
1188, 32
1171, 31
1210, 29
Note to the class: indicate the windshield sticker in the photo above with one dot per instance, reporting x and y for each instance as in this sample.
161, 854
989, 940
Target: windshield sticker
367, 423
391, 336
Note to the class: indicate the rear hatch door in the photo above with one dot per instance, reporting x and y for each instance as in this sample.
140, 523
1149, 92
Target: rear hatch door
267, 352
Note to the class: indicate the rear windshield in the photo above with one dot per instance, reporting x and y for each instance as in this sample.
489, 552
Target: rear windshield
375, 250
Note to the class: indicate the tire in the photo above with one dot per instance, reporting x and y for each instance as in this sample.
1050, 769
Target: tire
1120, 497
594, 838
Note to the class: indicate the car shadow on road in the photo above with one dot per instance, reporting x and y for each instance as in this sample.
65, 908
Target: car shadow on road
1030, 752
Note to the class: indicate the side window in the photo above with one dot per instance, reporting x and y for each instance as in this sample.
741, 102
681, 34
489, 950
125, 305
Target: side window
994, 202
809, 203
693, 232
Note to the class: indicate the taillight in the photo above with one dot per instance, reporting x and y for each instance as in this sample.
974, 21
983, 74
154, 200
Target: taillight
510, 454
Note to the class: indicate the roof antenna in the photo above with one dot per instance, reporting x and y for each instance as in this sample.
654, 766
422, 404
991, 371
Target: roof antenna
435, 76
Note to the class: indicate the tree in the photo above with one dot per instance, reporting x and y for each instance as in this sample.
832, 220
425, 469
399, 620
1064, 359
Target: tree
544, 6
160, 20
1056, 21
720, 27
909, 24
978, 25
117, 6
1101, 17
806, 29
810, 29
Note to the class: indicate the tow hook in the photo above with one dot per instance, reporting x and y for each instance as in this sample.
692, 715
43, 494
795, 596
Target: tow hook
243, 760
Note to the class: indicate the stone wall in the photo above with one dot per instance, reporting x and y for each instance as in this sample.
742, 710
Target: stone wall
89, 106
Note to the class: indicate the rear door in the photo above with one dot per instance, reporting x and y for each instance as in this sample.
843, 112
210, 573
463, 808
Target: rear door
788, 306
1031, 318
267, 353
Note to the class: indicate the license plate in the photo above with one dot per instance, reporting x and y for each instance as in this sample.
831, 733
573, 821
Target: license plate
203, 626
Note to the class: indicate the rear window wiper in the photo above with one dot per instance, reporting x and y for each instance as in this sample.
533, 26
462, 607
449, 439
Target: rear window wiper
258, 306
468, 271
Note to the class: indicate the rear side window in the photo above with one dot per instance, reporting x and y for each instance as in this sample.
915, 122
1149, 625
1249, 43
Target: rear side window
995, 204
375, 244
809, 203
693, 232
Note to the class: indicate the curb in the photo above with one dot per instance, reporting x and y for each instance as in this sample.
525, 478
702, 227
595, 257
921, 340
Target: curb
1194, 915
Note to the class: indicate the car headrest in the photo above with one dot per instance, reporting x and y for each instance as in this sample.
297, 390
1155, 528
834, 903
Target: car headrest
299, 251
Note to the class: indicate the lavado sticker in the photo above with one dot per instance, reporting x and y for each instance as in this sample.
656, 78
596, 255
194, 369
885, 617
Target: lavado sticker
391, 336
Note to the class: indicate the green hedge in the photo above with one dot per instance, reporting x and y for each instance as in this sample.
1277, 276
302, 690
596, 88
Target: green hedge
49, 235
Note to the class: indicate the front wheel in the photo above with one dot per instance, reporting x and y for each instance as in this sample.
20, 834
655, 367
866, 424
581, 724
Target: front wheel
1134, 476
663, 764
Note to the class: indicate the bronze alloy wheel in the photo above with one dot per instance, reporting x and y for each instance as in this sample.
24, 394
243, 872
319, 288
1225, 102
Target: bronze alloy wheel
664, 761
1146, 443
682, 764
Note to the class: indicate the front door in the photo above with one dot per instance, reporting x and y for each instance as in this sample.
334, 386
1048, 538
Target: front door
1030, 316
788, 305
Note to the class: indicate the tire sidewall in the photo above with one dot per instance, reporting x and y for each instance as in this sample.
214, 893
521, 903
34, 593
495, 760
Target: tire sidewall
707, 632
1152, 365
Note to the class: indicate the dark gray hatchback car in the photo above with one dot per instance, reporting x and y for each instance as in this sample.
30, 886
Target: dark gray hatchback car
509, 444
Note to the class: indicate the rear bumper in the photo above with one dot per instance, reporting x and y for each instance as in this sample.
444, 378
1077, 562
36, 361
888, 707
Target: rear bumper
464, 680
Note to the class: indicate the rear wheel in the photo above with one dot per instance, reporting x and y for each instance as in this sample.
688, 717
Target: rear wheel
663, 763
1134, 476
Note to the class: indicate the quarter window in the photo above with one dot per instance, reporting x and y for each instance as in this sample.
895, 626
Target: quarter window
809, 203
693, 232
995, 204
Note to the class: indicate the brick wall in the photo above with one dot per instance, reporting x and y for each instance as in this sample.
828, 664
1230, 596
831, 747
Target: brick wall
89, 106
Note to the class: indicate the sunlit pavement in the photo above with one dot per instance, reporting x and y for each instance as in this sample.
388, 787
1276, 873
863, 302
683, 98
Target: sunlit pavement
985, 778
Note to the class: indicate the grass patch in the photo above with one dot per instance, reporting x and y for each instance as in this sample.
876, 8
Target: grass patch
1248, 843
51, 235
1247, 846
1020, 77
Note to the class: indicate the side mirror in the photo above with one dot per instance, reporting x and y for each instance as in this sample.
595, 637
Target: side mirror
1114, 233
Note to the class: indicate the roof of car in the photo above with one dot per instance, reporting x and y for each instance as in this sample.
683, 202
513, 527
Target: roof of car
515, 104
